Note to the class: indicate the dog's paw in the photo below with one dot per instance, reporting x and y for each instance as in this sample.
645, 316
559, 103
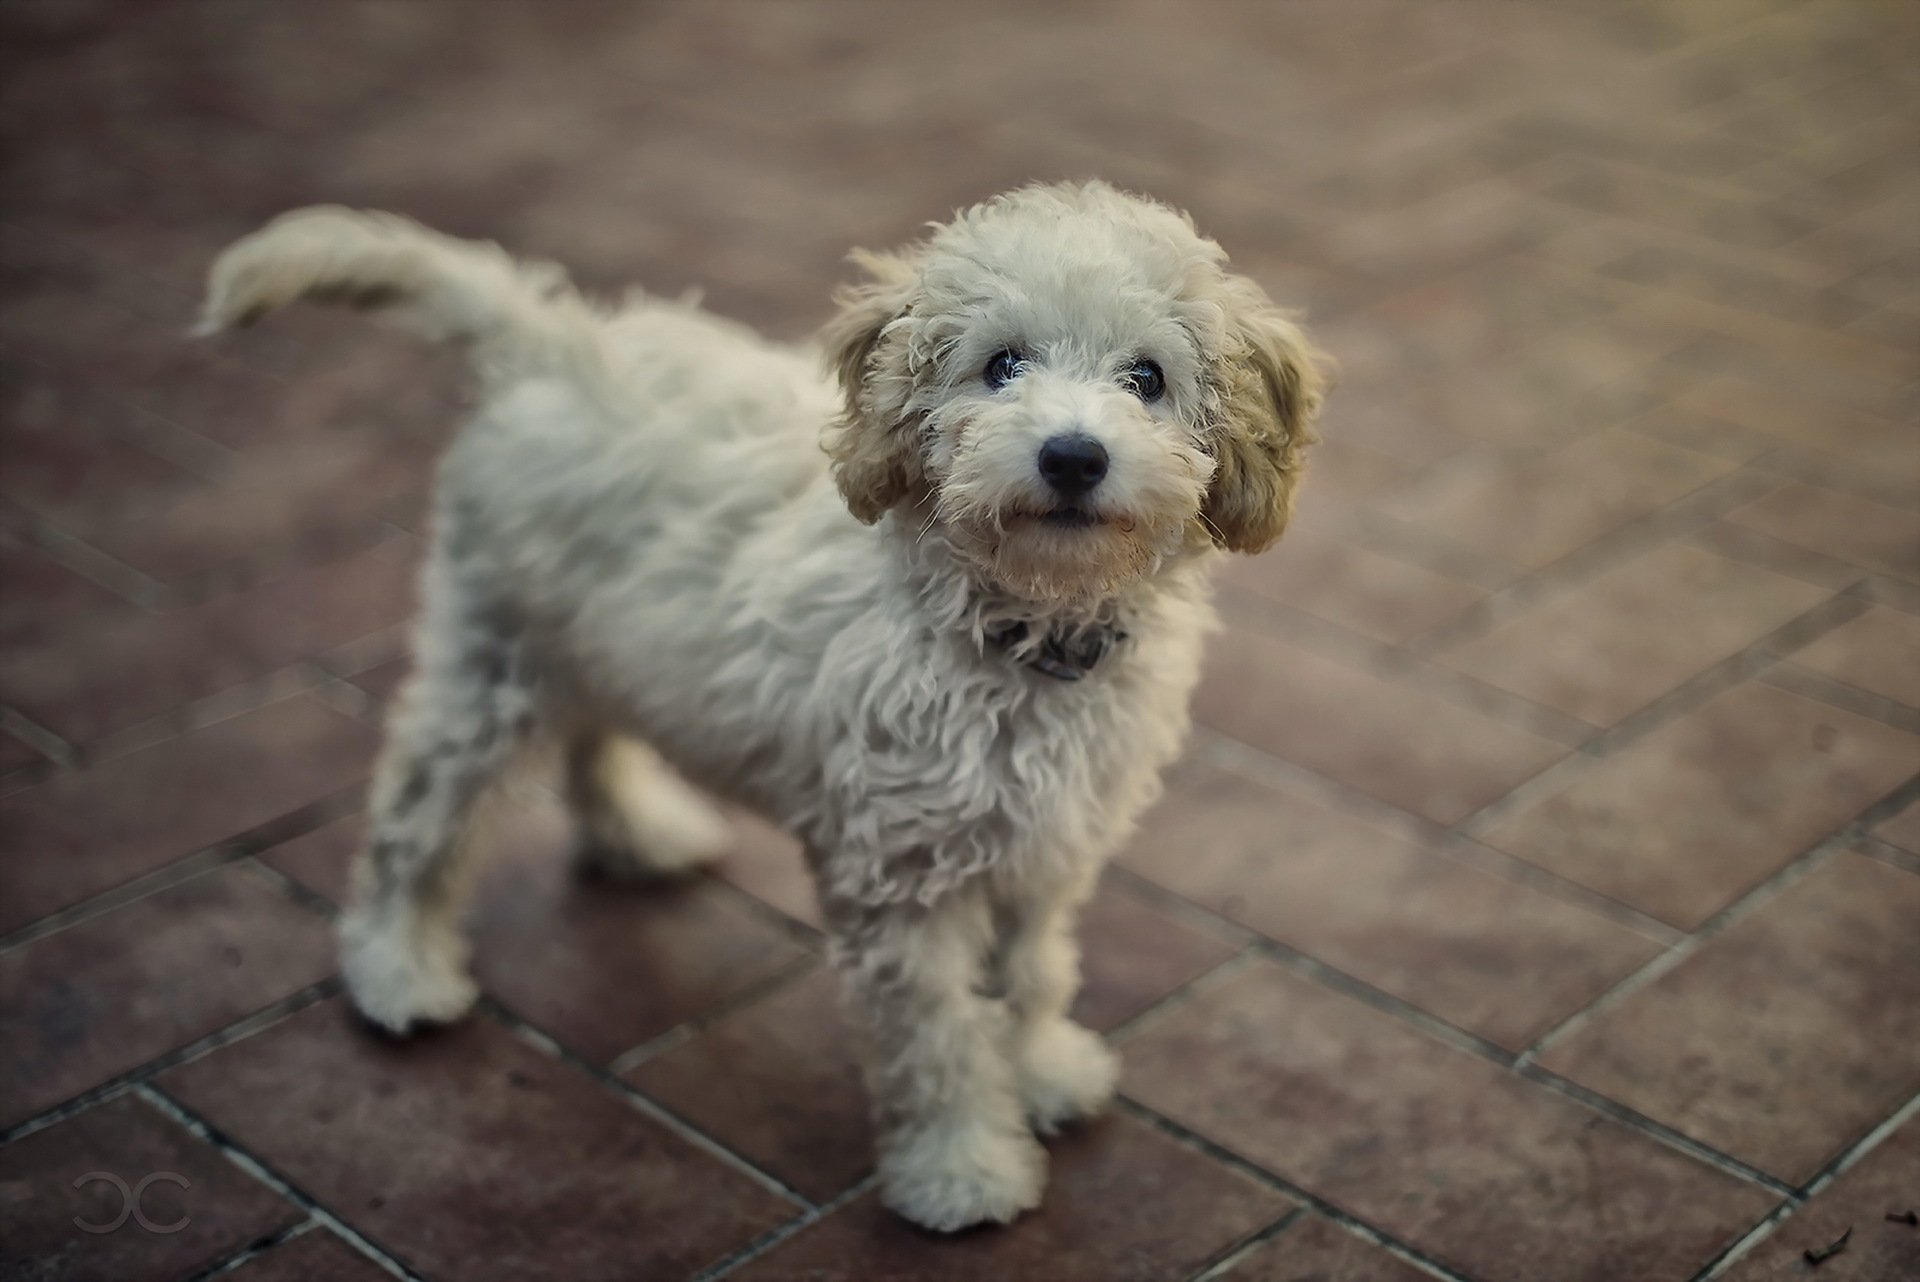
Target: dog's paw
951, 1178
399, 978
1066, 1073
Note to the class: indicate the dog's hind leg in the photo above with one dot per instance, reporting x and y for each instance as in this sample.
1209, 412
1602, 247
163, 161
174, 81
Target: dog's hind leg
637, 819
469, 707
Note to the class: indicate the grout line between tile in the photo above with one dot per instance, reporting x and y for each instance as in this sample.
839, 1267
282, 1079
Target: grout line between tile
1799, 867
1682, 515
260, 1171
1777, 556
165, 877
1657, 1130
1888, 853
342, 695
1808, 684
1749, 662
1745, 1243
292, 887
1178, 906
30, 775
1267, 1179
255, 1249
1386, 1003
198, 456
236, 700
1856, 1152
1319, 972
765, 987
264, 836
97, 567
1241, 1250
42, 740
544, 1042
135, 1078
1894, 594
1389, 536
754, 1250
1263, 768
805, 935
1392, 663
1120, 1034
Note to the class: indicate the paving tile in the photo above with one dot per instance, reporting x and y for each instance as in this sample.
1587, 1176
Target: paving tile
70, 475
1345, 471
1385, 738
318, 493
1558, 307
383, 681
43, 597
1492, 1175
89, 831
1124, 1203
471, 1155
769, 865
601, 966
130, 666
1489, 955
322, 859
1782, 1040
1701, 432
314, 1256
1883, 1184
1533, 513
1622, 639
223, 1207
778, 1083
1363, 591
1318, 1250
98, 999
1809, 423
1879, 651
1873, 536
1133, 955
1686, 820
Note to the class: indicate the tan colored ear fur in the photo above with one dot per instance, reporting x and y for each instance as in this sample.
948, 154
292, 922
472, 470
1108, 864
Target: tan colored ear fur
873, 460
1271, 383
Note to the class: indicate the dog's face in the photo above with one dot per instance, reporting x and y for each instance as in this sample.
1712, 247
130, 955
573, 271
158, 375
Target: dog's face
1067, 381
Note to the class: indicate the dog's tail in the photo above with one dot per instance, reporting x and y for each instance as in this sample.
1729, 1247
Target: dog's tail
515, 317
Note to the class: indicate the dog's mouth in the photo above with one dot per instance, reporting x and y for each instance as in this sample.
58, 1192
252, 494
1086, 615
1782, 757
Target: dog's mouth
1073, 516
1070, 518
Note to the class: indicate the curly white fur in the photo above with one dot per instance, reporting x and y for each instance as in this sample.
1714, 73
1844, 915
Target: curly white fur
640, 539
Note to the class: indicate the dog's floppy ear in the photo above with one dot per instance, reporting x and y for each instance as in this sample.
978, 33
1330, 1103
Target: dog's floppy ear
1271, 381
874, 459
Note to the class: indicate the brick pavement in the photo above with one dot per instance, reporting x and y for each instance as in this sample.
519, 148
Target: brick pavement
1539, 899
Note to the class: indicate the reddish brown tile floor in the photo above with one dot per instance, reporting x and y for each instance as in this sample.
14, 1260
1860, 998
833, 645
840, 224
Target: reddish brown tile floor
1538, 901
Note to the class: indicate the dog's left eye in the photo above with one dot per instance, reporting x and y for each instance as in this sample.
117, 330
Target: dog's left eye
1001, 369
1146, 381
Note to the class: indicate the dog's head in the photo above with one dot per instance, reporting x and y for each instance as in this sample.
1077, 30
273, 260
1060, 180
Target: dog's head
1067, 381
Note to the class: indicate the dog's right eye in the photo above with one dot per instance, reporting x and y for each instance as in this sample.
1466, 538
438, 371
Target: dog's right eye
1001, 369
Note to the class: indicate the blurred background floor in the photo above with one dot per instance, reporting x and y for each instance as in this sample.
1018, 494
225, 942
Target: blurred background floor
1540, 898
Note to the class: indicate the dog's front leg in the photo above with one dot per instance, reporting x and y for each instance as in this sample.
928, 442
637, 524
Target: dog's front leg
1065, 1071
954, 1145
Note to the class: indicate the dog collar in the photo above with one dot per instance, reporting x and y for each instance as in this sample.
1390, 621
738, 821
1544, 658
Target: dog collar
1065, 656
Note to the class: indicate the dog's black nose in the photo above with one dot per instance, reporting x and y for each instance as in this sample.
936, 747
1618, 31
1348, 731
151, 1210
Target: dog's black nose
1073, 463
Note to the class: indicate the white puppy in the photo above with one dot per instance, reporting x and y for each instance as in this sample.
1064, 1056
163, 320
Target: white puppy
951, 652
